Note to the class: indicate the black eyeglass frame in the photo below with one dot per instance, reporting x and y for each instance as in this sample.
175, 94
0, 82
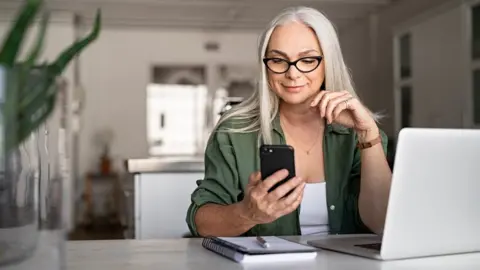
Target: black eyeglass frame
293, 63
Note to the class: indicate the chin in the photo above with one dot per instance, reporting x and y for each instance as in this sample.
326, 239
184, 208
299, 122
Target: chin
294, 99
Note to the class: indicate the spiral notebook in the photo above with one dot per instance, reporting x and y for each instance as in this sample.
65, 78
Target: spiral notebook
247, 249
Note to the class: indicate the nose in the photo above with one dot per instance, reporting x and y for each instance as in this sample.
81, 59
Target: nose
293, 72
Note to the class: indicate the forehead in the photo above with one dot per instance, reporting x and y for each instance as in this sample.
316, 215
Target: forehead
293, 38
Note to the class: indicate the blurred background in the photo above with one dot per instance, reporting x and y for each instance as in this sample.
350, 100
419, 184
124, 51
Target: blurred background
144, 97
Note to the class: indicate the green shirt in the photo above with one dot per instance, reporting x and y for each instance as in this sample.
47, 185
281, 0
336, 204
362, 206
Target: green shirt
230, 158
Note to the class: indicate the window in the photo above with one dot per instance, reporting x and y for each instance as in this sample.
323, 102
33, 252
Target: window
175, 119
180, 109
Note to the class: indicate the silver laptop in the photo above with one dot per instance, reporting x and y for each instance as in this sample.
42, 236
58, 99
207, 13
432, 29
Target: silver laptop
434, 205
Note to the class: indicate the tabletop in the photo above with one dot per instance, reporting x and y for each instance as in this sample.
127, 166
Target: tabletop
188, 254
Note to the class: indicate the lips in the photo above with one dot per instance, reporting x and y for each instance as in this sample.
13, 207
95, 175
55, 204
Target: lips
294, 89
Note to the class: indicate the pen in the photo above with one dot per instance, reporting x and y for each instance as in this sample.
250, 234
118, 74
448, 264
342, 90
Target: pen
262, 242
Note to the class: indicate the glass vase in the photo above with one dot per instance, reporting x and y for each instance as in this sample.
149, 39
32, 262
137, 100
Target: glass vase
32, 231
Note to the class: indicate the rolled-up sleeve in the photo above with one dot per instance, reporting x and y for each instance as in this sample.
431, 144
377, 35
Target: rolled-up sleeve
351, 206
220, 183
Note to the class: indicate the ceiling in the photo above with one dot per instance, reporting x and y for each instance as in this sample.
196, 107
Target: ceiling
206, 14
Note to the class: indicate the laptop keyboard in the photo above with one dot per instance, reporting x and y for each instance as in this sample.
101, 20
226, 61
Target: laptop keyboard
375, 246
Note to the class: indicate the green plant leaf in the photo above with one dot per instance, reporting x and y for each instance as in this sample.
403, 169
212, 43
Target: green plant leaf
29, 103
39, 81
12, 43
37, 112
31, 91
34, 53
31, 121
39, 42
67, 55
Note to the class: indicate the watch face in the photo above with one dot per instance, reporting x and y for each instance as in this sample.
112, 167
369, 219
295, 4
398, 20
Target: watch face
369, 144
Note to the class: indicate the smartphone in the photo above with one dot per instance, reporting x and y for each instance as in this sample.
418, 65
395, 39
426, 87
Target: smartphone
277, 157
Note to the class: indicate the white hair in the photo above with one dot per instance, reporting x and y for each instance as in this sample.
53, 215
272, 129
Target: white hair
261, 107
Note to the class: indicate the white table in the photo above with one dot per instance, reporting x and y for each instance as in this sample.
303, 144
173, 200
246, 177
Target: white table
183, 254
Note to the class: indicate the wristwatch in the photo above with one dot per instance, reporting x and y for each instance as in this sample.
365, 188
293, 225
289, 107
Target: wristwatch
369, 144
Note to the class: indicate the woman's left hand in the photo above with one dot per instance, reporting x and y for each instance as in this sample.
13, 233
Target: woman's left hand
342, 108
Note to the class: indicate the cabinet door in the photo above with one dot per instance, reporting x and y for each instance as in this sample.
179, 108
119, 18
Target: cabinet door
162, 200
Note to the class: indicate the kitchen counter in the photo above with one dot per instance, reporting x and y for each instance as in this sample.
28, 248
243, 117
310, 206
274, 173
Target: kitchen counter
165, 164
161, 195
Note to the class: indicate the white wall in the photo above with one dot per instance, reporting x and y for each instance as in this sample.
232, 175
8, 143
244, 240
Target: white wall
115, 72
367, 45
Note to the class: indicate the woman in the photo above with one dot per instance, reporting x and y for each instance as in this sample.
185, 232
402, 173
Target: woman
305, 99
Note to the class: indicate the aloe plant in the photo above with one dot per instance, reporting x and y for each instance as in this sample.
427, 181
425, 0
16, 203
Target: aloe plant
31, 91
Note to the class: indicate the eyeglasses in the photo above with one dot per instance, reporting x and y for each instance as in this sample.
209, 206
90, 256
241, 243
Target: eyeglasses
304, 64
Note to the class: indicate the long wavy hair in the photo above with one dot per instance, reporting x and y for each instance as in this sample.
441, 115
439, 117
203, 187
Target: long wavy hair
261, 107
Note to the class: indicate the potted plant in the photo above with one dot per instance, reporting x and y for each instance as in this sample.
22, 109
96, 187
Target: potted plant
30, 172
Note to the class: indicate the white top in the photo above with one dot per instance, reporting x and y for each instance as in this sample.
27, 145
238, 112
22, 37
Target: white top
313, 210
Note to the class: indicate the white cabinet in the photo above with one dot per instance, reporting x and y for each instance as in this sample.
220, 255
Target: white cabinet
161, 203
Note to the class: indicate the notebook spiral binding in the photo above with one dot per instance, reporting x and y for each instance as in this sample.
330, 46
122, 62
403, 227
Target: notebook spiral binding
218, 248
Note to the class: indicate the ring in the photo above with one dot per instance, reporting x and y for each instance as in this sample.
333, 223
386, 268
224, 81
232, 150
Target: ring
346, 103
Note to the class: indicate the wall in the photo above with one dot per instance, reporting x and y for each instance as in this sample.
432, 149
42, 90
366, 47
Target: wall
367, 45
438, 72
115, 72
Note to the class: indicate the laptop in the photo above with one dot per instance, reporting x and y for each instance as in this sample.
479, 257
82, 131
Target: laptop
434, 205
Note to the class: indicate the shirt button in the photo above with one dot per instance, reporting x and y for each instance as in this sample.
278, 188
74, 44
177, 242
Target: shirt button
332, 207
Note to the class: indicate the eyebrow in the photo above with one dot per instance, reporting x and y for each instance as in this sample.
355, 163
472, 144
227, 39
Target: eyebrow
300, 54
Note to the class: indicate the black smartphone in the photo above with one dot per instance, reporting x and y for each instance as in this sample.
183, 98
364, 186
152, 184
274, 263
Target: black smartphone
277, 157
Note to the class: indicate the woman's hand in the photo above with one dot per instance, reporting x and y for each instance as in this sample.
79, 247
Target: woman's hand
260, 206
342, 108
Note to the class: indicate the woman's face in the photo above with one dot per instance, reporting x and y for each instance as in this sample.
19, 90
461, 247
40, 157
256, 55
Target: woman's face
291, 42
